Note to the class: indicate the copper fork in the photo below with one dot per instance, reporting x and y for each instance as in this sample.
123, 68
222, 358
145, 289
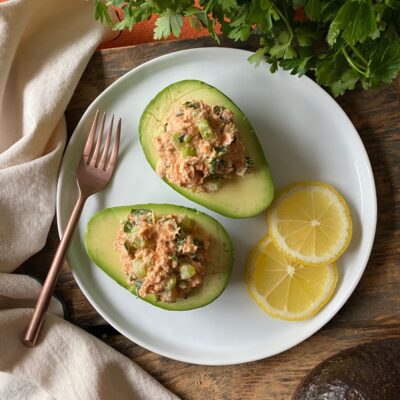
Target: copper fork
94, 172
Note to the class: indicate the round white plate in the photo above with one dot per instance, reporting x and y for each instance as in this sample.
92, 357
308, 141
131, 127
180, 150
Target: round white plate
305, 136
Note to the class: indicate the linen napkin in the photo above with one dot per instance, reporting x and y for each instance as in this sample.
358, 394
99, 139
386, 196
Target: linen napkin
44, 48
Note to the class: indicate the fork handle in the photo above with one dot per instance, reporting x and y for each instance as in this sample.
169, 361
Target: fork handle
33, 329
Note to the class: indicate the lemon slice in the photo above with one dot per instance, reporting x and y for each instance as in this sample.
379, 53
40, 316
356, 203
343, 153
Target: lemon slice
284, 289
310, 222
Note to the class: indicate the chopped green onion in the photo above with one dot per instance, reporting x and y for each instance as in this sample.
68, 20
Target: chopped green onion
188, 138
128, 227
137, 243
186, 271
188, 151
187, 224
127, 245
205, 129
144, 243
165, 127
176, 140
181, 143
171, 282
139, 268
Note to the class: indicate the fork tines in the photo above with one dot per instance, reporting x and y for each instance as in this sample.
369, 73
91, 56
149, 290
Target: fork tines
92, 157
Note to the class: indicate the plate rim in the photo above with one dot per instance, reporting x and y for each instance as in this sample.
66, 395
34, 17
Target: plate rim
233, 360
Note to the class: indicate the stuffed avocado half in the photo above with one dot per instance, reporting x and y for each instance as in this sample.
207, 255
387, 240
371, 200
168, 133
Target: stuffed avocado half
205, 148
172, 257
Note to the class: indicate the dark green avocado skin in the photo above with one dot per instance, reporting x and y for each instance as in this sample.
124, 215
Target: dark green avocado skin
370, 371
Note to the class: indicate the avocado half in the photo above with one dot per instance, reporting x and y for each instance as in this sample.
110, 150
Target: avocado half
370, 371
103, 228
240, 197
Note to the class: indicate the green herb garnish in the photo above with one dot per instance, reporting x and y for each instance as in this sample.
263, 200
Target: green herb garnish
221, 149
216, 110
180, 241
191, 104
181, 138
213, 166
139, 212
341, 43
138, 284
249, 162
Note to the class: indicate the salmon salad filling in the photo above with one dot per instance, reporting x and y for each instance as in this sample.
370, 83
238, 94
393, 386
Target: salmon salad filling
164, 256
200, 146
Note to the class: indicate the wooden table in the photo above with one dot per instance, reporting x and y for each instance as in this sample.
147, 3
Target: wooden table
373, 310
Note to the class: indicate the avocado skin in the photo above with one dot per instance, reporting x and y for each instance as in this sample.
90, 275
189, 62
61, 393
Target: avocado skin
370, 371
102, 229
239, 197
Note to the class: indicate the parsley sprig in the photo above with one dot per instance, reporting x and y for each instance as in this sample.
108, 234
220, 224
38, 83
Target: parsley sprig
340, 42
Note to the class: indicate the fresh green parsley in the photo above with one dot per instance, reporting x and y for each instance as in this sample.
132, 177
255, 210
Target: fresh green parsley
340, 43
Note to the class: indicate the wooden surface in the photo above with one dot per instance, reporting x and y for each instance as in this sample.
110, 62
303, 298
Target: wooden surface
373, 310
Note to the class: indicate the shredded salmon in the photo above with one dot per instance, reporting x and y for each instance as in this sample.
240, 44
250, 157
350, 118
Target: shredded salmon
189, 160
153, 249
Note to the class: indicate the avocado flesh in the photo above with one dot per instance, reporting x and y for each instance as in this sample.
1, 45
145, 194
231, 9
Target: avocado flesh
369, 371
103, 228
239, 197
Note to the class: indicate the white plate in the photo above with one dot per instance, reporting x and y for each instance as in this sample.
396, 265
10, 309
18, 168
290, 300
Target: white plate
305, 136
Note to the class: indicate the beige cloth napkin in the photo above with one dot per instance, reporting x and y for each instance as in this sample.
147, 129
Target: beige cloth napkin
44, 48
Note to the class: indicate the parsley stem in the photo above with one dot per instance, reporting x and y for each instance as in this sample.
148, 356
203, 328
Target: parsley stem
359, 55
284, 19
208, 6
352, 63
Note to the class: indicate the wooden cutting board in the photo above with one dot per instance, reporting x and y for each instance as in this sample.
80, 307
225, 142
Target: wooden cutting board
372, 312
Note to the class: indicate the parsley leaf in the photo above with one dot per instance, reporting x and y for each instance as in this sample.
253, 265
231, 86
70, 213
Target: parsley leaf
101, 12
241, 28
298, 66
347, 81
357, 21
227, 5
340, 42
169, 21
313, 9
257, 56
385, 64
306, 36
